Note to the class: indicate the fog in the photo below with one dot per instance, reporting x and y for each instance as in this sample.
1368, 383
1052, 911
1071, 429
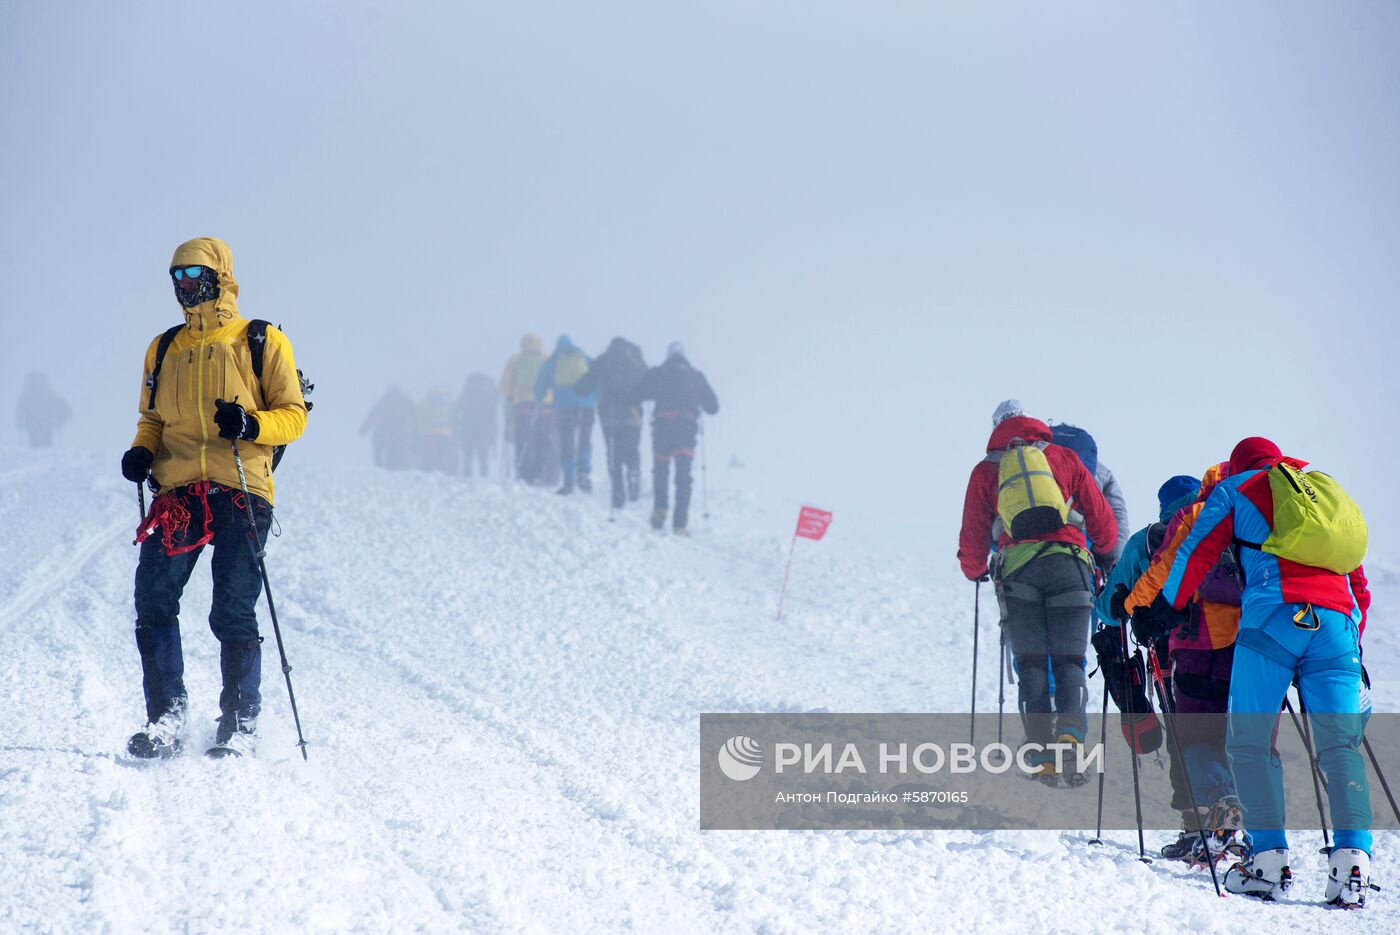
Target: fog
1174, 224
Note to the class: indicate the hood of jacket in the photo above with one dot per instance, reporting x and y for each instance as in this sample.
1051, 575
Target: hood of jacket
622, 346
1024, 428
564, 345
214, 253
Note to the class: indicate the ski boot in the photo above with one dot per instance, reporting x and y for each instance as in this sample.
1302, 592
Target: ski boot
658, 519
1348, 878
1263, 875
235, 737
161, 738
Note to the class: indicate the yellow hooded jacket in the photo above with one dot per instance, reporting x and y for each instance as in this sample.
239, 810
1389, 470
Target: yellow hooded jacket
208, 360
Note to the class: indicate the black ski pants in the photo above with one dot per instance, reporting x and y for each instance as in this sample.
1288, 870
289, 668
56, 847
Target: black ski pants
1045, 610
624, 443
673, 439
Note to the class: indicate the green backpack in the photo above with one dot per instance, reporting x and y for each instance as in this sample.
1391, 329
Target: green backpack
569, 368
1315, 522
1029, 499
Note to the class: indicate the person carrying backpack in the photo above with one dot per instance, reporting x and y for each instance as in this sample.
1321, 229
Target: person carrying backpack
518, 390
392, 426
1017, 502
201, 392
1082, 443
474, 422
681, 393
1300, 541
612, 376
558, 376
1195, 650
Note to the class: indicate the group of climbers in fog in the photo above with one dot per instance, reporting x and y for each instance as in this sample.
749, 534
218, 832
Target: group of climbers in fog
542, 413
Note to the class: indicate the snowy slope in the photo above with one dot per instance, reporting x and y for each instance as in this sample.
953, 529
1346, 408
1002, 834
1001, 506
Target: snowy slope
502, 693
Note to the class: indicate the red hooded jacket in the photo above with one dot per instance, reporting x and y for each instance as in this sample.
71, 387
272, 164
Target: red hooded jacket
1076, 483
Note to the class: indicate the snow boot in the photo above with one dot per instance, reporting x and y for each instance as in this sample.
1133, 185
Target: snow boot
658, 519
1042, 767
1348, 878
634, 485
1188, 840
565, 490
681, 531
1074, 737
585, 484
161, 738
235, 737
1225, 815
1264, 874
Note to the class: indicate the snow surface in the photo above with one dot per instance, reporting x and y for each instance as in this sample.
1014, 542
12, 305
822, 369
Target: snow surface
501, 691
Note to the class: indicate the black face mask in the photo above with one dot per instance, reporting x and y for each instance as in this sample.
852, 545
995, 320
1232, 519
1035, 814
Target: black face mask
206, 288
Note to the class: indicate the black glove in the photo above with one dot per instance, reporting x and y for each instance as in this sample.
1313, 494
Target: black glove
1115, 603
1155, 621
234, 421
982, 578
1105, 561
136, 464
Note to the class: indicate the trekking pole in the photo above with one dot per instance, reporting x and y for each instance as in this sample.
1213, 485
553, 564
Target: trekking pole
704, 478
976, 612
1169, 712
1103, 743
1376, 765
1001, 678
258, 553
1132, 749
1306, 736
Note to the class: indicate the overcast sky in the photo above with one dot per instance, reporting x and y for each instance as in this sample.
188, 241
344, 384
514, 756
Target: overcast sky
1174, 223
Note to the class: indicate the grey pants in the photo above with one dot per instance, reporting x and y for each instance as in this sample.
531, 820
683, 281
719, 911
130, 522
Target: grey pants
1045, 608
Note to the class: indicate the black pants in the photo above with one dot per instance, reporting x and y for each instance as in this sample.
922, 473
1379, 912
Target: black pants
1045, 608
624, 442
160, 583
531, 445
673, 440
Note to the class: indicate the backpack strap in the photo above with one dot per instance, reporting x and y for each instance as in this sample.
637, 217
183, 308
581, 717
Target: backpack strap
154, 379
257, 343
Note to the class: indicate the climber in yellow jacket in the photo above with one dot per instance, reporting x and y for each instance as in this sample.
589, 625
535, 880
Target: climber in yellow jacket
201, 399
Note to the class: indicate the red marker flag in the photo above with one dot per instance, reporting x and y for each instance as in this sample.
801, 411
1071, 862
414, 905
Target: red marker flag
812, 523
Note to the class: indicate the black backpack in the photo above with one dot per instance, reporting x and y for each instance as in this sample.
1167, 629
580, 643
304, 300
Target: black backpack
257, 341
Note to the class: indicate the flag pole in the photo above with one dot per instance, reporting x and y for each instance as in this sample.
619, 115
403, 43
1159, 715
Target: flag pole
787, 571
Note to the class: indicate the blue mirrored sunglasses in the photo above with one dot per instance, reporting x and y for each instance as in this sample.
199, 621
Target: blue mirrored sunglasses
193, 272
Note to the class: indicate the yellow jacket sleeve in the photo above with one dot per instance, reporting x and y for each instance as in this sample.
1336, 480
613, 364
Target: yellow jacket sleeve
150, 427
283, 416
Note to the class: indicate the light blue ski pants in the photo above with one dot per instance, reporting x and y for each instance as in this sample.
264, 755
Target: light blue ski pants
1327, 661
